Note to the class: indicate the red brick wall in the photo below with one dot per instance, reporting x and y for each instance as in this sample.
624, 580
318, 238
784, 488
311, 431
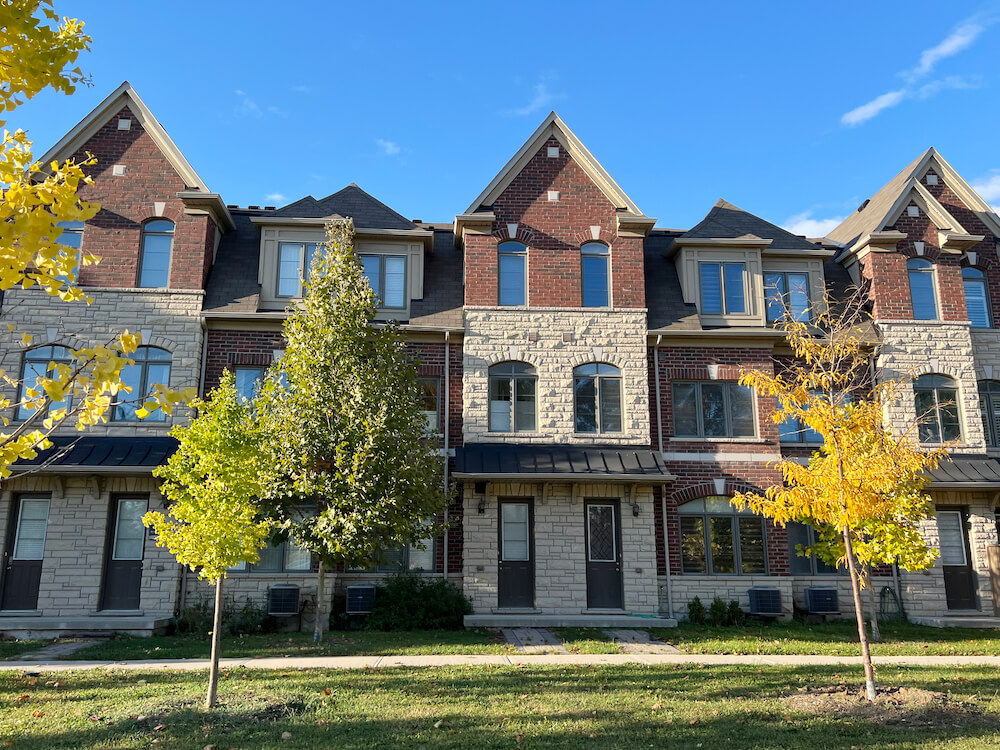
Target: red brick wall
431, 357
554, 232
228, 349
947, 267
127, 201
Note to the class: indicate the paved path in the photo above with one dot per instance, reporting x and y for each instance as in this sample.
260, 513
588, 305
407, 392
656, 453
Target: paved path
639, 642
533, 641
57, 650
429, 660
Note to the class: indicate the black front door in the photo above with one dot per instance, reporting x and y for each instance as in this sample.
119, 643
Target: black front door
516, 569
604, 555
22, 555
953, 542
123, 555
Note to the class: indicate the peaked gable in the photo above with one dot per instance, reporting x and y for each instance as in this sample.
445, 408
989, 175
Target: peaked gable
367, 211
726, 221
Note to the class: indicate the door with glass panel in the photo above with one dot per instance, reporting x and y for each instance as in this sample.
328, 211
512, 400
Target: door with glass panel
604, 555
516, 568
22, 555
123, 555
953, 542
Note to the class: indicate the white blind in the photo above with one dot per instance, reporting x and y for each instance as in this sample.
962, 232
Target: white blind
129, 531
33, 516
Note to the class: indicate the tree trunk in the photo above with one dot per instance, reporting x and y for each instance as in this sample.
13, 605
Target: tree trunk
213, 672
320, 603
872, 605
866, 654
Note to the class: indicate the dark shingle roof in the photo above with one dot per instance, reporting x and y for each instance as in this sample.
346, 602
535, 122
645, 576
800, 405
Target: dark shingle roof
666, 305
232, 284
726, 221
979, 472
488, 460
101, 454
444, 294
351, 202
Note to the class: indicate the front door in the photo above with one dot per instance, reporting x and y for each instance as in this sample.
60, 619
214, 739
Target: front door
123, 556
604, 555
953, 541
22, 555
516, 569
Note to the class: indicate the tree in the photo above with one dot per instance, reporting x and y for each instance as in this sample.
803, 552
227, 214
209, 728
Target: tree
355, 472
863, 490
213, 482
38, 50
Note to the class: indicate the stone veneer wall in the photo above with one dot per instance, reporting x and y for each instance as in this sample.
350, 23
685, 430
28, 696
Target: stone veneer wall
555, 341
685, 588
560, 557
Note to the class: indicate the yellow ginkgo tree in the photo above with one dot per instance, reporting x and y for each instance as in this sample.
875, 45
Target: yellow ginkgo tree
38, 50
863, 490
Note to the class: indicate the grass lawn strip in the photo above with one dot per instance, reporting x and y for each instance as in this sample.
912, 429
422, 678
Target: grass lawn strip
12, 649
482, 707
586, 641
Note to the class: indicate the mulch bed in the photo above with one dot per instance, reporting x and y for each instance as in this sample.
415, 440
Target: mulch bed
893, 706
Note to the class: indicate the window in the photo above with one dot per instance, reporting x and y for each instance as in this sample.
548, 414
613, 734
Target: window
594, 263
41, 363
248, 381
936, 398
713, 410
922, 296
718, 540
787, 293
796, 431
513, 273
387, 276
152, 365
430, 394
292, 258
989, 405
154, 263
805, 536
285, 557
512, 397
598, 398
72, 239
977, 302
723, 288
404, 557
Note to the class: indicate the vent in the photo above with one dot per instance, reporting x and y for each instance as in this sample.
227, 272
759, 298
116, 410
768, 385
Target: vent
283, 600
912, 211
932, 178
124, 124
118, 170
553, 152
360, 597
764, 600
822, 600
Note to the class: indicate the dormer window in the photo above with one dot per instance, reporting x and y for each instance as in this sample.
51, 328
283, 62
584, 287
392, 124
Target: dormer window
723, 288
922, 295
387, 276
513, 265
977, 303
787, 294
294, 261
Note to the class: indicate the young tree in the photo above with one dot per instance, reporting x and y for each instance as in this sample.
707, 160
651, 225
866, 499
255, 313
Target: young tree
863, 489
213, 482
355, 471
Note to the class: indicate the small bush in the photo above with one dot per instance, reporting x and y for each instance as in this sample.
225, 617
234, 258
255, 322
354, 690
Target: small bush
249, 619
410, 602
718, 612
696, 612
735, 615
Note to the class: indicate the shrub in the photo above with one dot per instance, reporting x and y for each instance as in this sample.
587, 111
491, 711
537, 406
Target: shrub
718, 612
410, 602
696, 611
249, 619
735, 615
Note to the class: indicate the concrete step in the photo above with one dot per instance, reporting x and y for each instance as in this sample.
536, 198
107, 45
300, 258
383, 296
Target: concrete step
595, 620
979, 621
22, 626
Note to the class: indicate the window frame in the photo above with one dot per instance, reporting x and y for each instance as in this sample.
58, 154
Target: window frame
982, 281
922, 266
421, 381
282, 569
723, 297
258, 380
989, 394
785, 296
495, 374
23, 414
144, 386
521, 252
727, 408
812, 560
690, 510
595, 250
599, 378
933, 387
380, 292
144, 233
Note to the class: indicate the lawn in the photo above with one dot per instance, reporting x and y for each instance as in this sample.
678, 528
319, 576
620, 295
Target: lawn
483, 707
832, 638
10, 649
586, 641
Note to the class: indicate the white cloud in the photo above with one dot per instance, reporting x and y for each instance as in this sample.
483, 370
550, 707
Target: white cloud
541, 99
958, 40
247, 106
988, 188
276, 198
951, 82
389, 148
803, 223
867, 111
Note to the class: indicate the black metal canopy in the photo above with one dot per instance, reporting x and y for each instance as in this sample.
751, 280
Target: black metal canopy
100, 455
558, 462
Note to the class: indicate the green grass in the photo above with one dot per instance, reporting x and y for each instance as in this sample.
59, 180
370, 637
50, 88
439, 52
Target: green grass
632, 706
586, 641
10, 649
831, 639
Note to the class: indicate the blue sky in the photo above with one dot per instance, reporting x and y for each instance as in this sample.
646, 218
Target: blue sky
794, 111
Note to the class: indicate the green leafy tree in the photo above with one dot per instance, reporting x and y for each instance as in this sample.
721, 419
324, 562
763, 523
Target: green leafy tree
355, 472
213, 482
864, 488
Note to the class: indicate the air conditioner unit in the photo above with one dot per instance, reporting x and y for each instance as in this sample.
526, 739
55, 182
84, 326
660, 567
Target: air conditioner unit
822, 600
283, 600
360, 597
764, 600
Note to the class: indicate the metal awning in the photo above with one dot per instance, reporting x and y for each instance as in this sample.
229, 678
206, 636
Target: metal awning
99, 455
966, 473
482, 461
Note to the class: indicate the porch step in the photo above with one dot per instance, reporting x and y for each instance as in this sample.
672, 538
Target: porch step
21, 626
958, 621
596, 620
533, 640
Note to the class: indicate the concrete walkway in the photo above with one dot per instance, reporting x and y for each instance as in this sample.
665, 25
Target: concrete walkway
430, 660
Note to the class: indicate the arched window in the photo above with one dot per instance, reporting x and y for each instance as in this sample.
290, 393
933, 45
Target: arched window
512, 397
513, 264
594, 269
936, 399
977, 301
989, 405
719, 540
922, 295
152, 365
598, 398
41, 362
154, 261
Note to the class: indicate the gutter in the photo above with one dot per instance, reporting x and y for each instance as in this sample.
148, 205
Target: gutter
666, 549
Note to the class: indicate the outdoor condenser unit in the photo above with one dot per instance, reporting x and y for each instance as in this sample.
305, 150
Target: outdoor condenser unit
360, 597
283, 600
764, 600
822, 600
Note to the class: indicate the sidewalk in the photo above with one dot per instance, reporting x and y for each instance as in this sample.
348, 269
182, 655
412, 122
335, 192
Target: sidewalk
431, 660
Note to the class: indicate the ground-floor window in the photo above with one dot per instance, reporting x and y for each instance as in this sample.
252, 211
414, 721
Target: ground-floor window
799, 534
716, 539
286, 557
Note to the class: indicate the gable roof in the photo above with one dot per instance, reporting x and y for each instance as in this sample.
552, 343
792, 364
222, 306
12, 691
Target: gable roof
367, 211
554, 127
881, 209
121, 97
726, 221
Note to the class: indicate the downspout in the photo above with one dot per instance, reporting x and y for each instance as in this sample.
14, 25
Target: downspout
872, 374
447, 427
659, 413
666, 550
663, 487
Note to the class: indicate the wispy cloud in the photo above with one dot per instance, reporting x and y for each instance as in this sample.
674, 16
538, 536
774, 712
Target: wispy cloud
867, 111
804, 223
247, 106
276, 198
389, 148
958, 40
541, 99
988, 188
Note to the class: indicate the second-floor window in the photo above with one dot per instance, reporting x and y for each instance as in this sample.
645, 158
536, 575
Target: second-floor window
711, 410
723, 288
41, 362
923, 298
154, 260
72, 239
989, 405
594, 268
513, 267
936, 400
294, 261
248, 381
152, 366
977, 301
787, 294
430, 392
387, 276
512, 397
598, 398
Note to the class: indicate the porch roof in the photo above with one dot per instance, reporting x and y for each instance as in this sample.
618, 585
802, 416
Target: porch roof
558, 463
969, 473
99, 455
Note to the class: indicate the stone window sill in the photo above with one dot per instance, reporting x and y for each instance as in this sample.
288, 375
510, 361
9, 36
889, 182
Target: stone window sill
117, 613
21, 613
712, 440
